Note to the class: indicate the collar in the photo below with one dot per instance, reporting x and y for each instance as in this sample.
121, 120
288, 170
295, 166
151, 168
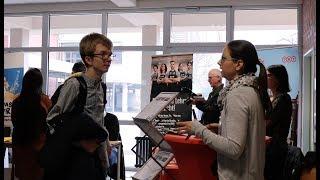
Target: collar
91, 81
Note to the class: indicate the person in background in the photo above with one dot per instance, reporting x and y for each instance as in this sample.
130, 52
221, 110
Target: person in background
162, 75
173, 78
182, 69
188, 82
90, 158
209, 107
162, 79
155, 73
182, 72
111, 123
154, 85
78, 67
245, 104
172, 74
189, 70
278, 124
29, 111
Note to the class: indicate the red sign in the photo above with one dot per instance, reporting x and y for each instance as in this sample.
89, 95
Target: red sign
289, 59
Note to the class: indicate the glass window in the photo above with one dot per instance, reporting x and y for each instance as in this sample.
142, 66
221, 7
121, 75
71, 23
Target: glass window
68, 30
60, 68
23, 31
202, 64
135, 29
16, 64
127, 81
198, 27
25, 60
272, 26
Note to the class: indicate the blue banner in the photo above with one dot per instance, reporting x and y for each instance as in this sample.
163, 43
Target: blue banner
288, 57
12, 87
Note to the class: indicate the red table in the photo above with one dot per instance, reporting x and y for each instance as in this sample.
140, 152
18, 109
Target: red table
194, 158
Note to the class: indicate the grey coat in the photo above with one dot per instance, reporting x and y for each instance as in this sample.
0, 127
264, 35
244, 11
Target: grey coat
240, 144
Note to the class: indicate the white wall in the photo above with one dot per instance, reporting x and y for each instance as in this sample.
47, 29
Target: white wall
19, 8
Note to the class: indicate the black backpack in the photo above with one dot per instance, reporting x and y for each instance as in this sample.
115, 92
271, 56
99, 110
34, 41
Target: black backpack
79, 105
68, 127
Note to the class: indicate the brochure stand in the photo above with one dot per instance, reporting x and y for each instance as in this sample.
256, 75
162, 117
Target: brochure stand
145, 121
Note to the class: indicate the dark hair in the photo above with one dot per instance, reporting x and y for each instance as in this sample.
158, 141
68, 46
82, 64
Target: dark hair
281, 74
78, 67
245, 50
190, 62
164, 68
155, 66
111, 123
28, 116
89, 42
179, 67
32, 82
172, 61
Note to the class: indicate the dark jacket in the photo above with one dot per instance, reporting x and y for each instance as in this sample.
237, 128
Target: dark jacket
56, 156
278, 128
29, 122
211, 112
111, 123
280, 118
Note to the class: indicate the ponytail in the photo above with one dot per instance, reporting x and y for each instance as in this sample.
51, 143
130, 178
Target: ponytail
263, 86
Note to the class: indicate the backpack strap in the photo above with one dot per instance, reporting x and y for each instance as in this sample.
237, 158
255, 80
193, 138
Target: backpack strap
82, 97
57, 121
104, 87
55, 96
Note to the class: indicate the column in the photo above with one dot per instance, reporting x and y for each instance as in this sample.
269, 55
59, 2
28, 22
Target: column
149, 38
19, 37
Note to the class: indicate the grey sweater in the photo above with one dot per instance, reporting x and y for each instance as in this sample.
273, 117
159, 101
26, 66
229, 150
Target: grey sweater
240, 146
94, 106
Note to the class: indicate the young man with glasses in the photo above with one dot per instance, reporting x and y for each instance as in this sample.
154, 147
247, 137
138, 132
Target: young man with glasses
89, 160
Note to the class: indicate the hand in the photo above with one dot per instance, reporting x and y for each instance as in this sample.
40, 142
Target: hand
109, 149
199, 99
193, 101
185, 127
268, 139
213, 127
89, 145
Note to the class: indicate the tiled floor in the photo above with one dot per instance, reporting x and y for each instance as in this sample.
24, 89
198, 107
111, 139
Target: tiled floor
129, 174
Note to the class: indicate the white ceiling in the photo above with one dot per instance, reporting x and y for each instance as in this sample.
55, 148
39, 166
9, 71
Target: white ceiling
134, 20
42, 1
119, 3
128, 3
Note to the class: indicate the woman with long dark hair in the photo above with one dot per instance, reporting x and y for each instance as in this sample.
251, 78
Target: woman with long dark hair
278, 124
244, 105
162, 78
29, 111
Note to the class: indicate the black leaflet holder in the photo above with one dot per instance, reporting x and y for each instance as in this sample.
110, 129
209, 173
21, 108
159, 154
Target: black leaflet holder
145, 121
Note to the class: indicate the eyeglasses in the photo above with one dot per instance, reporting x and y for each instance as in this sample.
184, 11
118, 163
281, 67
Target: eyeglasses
223, 59
105, 56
